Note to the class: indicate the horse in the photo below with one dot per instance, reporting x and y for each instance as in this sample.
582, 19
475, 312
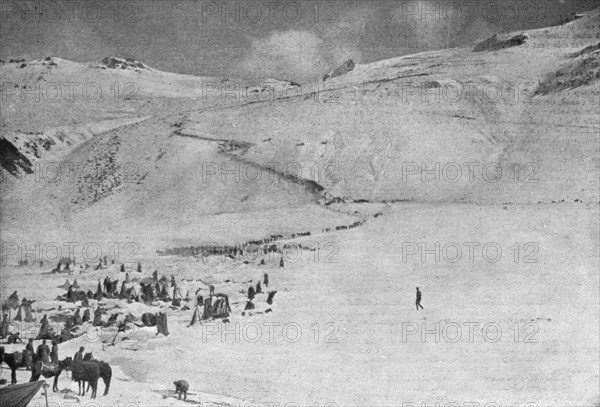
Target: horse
14, 361
38, 370
86, 372
104, 370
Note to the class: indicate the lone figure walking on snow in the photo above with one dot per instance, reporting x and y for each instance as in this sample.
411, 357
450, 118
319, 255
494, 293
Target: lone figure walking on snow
418, 303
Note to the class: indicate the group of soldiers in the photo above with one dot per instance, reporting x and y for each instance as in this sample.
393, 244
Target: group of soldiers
43, 351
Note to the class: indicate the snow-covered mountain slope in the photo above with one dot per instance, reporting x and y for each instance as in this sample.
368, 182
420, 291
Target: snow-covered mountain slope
513, 123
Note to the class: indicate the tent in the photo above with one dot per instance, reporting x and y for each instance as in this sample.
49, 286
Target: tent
19, 395
221, 308
65, 285
161, 324
99, 292
97, 317
196, 317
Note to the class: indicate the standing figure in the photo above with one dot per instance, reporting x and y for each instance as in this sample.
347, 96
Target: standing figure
29, 346
266, 280
86, 315
281, 262
43, 352
54, 352
79, 355
418, 303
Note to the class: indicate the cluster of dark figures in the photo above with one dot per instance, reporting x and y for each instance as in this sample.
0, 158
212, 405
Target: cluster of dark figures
252, 291
150, 289
30, 358
43, 351
44, 362
215, 306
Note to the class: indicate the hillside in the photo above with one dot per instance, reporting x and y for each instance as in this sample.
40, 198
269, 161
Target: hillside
467, 105
370, 134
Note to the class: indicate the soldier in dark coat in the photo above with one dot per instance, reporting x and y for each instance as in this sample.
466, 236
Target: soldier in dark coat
77, 317
266, 280
139, 267
79, 355
54, 352
122, 268
418, 302
29, 346
86, 315
251, 293
28, 354
43, 352
44, 331
258, 288
281, 263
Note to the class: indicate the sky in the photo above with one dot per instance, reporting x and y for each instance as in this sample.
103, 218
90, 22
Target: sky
297, 40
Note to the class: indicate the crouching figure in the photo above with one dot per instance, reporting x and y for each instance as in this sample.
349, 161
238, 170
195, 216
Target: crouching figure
181, 387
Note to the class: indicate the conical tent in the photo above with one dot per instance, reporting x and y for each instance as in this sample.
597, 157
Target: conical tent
77, 317
196, 317
99, 291
97, 317
161, 323
123, 293
207, 309
65, 285
19, 317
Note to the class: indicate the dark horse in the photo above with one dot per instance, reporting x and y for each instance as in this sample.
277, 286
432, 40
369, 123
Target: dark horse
104, 370
37, 370
14, 361
86, 372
